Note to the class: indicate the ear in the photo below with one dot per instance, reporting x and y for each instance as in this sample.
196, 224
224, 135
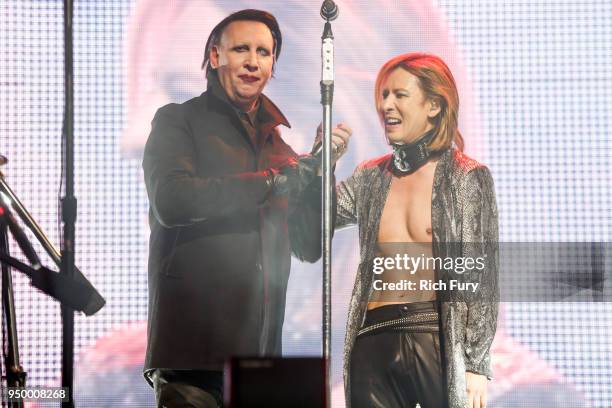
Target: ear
434, 108
273, 66
214, 57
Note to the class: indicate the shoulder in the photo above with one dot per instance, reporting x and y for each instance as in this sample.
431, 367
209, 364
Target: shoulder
371, 167
180, 111
469, 173
171, 126
463, 164
377, 164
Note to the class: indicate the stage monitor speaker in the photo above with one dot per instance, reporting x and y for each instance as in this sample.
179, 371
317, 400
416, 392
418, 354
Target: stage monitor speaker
275, 382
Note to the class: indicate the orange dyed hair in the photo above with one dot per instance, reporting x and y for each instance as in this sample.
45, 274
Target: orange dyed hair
437, 83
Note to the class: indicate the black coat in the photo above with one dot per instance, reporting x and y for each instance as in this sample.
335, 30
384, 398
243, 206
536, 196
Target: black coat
219, 253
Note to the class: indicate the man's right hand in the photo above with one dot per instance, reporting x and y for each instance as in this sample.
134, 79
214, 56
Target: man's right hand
293, 176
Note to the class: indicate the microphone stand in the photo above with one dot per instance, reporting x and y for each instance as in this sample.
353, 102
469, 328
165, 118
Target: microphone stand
15, 375
69, 273
69, 207
74, 293
329, 12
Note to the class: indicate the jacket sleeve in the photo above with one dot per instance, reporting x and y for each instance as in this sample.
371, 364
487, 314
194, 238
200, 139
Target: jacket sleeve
305, 216
176, 194
305, 222
346, 197
479, 238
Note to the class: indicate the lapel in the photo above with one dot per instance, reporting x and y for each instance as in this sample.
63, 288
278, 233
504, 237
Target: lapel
439, 209
382, 184
270, 116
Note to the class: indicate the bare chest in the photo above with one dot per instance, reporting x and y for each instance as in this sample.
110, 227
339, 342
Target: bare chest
406, 216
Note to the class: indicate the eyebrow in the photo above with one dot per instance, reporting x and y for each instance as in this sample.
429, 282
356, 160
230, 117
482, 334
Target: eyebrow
396, 90
261, 47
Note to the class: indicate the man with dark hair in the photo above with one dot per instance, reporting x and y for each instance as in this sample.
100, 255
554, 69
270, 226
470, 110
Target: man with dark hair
244, 15
229, 201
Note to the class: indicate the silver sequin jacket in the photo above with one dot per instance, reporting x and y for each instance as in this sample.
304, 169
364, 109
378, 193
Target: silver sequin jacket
463, 210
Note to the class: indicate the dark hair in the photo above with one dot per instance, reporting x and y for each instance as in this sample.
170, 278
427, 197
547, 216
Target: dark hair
243, 15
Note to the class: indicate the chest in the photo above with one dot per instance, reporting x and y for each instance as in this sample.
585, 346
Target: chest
223, 146
406, 215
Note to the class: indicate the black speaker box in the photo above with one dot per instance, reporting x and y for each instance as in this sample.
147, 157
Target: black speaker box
275, 382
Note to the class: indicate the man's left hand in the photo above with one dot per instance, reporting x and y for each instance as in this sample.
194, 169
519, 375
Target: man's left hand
340, 139
476, 388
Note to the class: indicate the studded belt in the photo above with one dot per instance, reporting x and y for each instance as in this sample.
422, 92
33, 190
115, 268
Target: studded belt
415, 321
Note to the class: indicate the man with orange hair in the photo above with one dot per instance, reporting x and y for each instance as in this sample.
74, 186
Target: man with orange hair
426, 200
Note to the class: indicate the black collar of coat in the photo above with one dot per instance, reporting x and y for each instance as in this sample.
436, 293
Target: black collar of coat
269, 115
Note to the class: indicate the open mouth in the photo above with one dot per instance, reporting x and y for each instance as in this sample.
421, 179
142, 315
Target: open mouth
392, 123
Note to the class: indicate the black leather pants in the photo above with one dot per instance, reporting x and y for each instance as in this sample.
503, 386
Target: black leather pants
398, 365
188, 388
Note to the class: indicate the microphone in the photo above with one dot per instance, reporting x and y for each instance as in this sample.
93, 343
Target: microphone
72, 293
329, 10
19, 235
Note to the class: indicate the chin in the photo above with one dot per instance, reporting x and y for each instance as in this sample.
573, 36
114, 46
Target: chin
250, 95
394, 139
247, 97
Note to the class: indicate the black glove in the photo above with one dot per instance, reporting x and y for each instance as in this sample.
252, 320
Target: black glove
293, 176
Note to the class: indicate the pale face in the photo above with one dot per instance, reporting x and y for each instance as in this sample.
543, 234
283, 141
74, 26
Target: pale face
405, 111
244, 59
